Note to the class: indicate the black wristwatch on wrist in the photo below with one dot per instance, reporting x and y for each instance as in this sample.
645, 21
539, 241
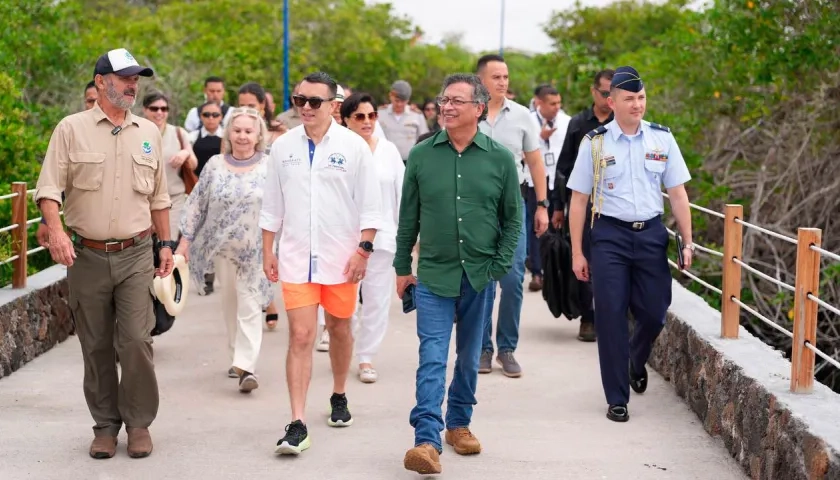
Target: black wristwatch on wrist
543, 203
172, 245
366, 246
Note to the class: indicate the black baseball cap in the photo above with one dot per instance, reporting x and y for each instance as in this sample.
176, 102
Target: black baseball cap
122, 63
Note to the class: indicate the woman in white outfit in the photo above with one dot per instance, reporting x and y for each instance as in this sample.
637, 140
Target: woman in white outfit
358, 113
220, 228
177, 152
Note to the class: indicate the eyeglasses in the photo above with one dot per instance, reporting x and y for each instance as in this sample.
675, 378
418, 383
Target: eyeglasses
456, 102
314, 102
603, 93
360, 117
211, 114
158, 109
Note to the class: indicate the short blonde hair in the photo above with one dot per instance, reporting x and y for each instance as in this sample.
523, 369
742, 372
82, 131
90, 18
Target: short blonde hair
250, 112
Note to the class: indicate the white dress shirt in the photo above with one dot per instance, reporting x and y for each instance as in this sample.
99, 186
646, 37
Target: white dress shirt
378, 132
550, 149
390, 170
320, 210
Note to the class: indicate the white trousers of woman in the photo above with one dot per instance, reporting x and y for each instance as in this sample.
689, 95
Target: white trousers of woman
370, 321
243, 316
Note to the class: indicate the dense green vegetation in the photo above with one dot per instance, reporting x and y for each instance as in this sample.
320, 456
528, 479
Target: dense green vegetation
750, 89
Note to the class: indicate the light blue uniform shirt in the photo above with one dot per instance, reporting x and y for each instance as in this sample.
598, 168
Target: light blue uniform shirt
636, 168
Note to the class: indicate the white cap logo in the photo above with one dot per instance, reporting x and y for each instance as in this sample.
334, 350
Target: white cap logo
120, 59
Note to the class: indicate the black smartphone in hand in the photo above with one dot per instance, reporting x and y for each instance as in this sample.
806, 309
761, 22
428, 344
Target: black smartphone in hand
680, 258
408, 299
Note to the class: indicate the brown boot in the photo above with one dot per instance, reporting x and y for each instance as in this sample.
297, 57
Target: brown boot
536, 283
463, 440
423, 459
587, 332
103, 447
139, 442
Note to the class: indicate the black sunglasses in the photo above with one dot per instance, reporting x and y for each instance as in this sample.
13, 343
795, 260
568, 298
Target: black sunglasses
314, 102
604, 94
158, 109
211, 114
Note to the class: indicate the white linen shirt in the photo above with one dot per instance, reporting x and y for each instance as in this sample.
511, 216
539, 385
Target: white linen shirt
550, 150
320, 210
390, 171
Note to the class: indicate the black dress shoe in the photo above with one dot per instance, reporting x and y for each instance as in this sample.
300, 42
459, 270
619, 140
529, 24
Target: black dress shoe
638, 382
618, 413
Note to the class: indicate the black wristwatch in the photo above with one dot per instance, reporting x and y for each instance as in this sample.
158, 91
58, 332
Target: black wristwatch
544, 203
366, 246
172, 245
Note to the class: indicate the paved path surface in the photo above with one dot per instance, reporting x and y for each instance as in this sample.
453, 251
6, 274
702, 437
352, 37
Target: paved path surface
548, 424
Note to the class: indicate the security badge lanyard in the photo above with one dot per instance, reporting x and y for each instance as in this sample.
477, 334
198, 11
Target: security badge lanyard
548, 156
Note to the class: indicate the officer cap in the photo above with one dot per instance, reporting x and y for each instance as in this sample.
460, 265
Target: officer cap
627, 78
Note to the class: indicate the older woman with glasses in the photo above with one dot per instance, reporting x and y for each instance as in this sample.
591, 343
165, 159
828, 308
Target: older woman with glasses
358, 113
176, 153
220, 225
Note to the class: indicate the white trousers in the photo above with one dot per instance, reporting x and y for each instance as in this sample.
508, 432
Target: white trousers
243, 316
370, 321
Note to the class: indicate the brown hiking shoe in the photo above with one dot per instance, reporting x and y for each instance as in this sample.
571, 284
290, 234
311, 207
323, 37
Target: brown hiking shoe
463, 440
103, 447
139, 442
423, 459
587, 332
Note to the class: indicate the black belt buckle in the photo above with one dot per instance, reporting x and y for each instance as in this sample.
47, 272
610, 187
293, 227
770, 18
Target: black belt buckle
637, 225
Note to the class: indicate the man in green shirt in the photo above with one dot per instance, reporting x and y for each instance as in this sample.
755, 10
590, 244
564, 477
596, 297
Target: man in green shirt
461, 194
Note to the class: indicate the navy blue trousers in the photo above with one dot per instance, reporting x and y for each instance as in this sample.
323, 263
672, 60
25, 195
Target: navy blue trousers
629, 269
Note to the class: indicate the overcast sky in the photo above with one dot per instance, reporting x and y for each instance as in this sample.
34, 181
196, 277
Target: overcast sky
479, 20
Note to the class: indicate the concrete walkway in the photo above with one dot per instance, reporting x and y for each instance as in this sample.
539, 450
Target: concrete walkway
548, 424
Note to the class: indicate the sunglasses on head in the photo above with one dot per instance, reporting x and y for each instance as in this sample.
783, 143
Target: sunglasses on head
158, 109
211, 114
360, 117
314, 102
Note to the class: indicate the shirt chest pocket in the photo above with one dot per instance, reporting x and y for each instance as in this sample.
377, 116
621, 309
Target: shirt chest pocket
87, 170
654, 170
612, 169
143, 174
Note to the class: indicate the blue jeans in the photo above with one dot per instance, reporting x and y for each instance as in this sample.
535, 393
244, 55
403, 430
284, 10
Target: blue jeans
435, 316
510, 305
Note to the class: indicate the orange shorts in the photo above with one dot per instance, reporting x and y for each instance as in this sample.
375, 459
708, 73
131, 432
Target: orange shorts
337, 300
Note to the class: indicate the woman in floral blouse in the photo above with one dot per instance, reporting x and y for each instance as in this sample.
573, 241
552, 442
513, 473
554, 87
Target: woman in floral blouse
220, 228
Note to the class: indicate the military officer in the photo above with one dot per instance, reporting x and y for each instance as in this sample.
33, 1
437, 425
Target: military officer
623, 165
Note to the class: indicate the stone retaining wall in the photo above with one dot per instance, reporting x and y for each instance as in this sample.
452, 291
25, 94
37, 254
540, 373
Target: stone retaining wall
33, 319
739, 389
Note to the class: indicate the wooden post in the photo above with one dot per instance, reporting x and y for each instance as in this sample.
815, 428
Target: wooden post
19, 234
805, 311
733, 234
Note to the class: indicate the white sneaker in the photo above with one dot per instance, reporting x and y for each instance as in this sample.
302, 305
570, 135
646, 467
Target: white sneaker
324, 344
368, 375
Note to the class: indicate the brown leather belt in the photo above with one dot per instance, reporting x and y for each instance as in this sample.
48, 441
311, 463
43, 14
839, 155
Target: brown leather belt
111, 246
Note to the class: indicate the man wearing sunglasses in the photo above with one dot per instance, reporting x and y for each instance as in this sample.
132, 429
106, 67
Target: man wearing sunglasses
600, 113
322, 197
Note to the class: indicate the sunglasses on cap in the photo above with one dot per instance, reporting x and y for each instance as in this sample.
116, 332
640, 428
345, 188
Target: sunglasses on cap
314, 102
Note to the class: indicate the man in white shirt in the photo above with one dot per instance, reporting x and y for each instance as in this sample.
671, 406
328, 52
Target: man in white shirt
322, 197
551, 122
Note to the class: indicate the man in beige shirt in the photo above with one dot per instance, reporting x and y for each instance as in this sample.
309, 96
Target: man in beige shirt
108, 163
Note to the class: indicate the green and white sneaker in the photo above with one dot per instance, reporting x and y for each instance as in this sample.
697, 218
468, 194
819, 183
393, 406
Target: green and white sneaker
339, 413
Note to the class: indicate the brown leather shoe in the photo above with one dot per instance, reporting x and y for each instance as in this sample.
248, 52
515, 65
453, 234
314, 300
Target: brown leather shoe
587, 332
536, 283
423, 459
463, 440
139, 442
103, 447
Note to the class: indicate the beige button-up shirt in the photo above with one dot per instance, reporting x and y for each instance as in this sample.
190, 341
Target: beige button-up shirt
111, 182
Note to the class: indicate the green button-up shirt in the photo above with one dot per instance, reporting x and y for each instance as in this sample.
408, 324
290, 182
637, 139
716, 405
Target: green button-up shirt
467, 208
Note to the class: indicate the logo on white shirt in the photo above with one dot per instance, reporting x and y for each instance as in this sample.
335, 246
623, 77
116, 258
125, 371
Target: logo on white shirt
337, 162
292, 161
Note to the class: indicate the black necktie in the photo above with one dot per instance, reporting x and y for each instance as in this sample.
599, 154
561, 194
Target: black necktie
550, 125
